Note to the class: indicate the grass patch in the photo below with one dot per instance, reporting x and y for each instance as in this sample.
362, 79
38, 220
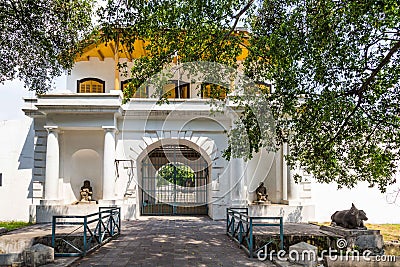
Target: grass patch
390, 232
14, 225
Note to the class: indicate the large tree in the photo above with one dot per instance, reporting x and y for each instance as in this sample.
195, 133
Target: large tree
336, 69
40, 38
334, 65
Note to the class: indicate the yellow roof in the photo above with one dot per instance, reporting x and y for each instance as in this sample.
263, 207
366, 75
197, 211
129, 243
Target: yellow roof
108, 49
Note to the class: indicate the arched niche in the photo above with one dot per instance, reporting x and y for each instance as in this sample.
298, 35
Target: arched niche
86, 164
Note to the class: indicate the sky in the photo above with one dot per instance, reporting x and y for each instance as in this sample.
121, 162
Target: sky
12, 94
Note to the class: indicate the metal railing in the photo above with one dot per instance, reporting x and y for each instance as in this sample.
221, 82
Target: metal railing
89, 231
240, 227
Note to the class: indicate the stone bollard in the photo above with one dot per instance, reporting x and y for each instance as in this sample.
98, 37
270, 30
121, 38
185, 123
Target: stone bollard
304, 254
38, 255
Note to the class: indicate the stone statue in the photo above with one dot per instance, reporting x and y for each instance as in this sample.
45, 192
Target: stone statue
351, 219
261, 193
86, 191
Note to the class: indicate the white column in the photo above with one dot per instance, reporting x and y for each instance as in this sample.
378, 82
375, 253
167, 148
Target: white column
237, 182
52, 164
285, 172
293, 194
277, 196
108, 163
237, 173
242, 182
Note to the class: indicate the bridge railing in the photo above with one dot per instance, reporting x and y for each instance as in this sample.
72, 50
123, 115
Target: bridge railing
240, 227
78, 235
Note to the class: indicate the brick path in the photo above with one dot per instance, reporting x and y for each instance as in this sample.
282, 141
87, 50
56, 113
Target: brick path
171, 241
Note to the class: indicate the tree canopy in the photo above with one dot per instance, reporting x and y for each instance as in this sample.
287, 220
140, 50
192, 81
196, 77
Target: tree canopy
334, 67
197, 30
39, 39
175, 173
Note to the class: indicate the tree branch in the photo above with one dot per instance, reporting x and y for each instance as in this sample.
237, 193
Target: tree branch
384, 61
237, 17
368, 138
381, 121
346, 120
374, 72
253, 51
365, 85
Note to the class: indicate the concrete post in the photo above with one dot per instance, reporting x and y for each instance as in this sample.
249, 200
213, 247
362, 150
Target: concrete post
237, 183
293, 190
294, 194
285, 172
108, 163
52, 164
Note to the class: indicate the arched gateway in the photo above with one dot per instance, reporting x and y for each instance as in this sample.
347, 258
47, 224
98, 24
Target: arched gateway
174, 181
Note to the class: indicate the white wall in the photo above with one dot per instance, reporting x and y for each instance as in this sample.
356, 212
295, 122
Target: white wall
262, 168
11, 100
105, 70
81, 159
95, 68
16, 162
12, 94
328, 199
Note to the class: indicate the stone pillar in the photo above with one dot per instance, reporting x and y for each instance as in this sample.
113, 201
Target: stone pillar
108, 163
285, 172
52, 166
293, 190
238, 194
116, 70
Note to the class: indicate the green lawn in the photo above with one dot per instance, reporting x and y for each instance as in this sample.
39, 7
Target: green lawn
390, 232
13, 225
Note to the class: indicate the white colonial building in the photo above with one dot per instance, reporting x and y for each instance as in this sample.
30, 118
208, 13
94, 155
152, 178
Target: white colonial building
147, 158
127, 149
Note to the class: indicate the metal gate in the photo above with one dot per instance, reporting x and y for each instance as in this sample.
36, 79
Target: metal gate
174, 182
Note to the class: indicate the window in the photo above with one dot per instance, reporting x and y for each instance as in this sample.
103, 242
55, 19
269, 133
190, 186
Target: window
171, 90
215, 91
265, 88
91, 85
142, 92
258, 88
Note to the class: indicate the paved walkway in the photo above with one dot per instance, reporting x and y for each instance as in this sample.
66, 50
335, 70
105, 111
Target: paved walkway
171, 241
